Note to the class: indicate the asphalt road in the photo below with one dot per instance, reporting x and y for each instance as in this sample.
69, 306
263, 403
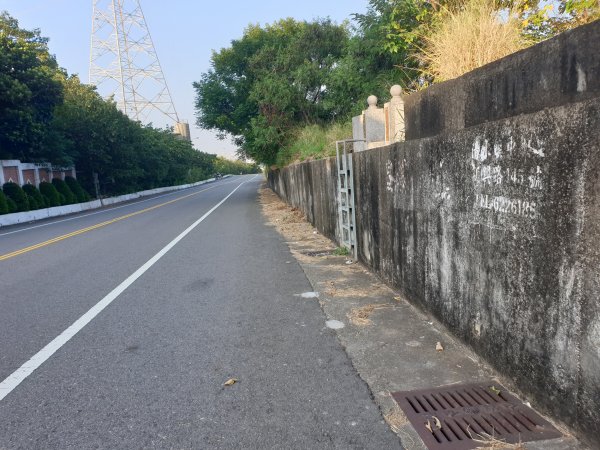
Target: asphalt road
147, 371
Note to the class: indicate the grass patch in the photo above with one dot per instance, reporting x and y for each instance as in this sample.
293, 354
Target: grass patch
341, 251
469, 37
313, 142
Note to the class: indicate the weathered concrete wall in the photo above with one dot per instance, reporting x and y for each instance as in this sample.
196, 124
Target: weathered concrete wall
561, 70
495, 230
312, 188
490, 216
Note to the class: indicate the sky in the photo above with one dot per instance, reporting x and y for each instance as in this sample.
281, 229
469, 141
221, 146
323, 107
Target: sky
185, 32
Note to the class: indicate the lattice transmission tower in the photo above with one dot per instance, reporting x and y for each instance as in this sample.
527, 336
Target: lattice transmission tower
124, 63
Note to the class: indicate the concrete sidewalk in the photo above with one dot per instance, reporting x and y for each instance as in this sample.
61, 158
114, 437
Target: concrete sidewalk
391, 343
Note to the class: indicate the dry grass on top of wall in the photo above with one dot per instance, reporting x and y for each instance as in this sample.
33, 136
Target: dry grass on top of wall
468, 38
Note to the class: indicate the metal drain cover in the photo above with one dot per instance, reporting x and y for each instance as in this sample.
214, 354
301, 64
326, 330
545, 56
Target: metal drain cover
462, 416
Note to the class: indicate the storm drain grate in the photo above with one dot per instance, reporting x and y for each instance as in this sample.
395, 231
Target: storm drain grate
464, 416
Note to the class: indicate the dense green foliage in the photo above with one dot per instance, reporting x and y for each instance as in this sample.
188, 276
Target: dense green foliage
226, 166
285, 76
277, 83
3, 204
48, 116
30, 89
50, 194
76, 188
14, 192
12, 206
64, 191
36, 201
402, 24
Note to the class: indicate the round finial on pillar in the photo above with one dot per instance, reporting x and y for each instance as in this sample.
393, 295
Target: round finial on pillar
396, 90
372, 101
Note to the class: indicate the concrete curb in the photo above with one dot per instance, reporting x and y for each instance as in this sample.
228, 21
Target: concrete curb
57, 211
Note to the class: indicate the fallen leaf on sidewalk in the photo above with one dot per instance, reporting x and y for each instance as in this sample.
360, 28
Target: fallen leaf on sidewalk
428, 426
230, 382
439, 347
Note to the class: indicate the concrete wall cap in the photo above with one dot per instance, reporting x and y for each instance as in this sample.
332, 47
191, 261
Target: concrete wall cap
396, 90
372, 101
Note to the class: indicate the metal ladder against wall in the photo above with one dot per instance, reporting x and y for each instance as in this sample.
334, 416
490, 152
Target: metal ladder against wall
346, 210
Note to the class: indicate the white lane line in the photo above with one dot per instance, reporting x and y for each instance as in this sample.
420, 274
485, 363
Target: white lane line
19, 375
105, 210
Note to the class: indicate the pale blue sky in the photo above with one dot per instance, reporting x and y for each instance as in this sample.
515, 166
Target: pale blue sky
184, 33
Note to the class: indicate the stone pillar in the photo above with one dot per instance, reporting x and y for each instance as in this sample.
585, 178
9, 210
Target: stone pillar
2, 181
358, 133
395, 116
20, 174
36, 174
374, 124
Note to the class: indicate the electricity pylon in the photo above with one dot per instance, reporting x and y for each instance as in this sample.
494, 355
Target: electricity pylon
124, 63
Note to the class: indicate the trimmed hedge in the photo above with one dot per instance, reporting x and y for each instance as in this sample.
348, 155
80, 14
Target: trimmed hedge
3, 204
50, 194
36, 201
64, 191
76, 188
12, 206
18, 195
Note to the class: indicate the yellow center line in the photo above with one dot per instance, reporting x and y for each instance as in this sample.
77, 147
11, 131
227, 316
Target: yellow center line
94, 227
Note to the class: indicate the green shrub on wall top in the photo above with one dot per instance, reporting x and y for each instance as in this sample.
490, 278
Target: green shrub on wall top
50, 194
64, 191
3, 204
36, 201
76, 188
18, 195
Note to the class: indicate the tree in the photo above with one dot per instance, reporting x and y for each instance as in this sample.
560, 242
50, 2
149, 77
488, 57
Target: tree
76, 188
270, 81
50, 194
3, 204
48, 116
402, 24
36, 201
15, 193
125, 155
542, 20
64, 191
227, 166
29, 91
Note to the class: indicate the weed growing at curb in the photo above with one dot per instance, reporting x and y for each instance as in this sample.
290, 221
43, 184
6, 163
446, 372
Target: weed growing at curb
341, 251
